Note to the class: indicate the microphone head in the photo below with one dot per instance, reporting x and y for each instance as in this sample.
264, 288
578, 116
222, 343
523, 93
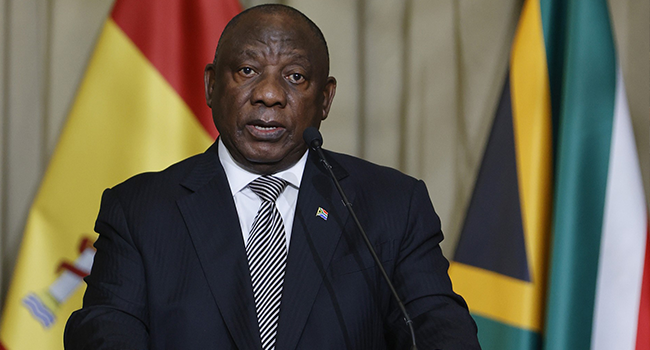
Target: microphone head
312, 137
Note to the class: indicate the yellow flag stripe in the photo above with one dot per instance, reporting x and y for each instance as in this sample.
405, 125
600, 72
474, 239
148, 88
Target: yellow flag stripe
531, 109
532, 124
495, 296
126, 119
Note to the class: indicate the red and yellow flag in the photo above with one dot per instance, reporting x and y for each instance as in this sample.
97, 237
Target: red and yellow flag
140, 107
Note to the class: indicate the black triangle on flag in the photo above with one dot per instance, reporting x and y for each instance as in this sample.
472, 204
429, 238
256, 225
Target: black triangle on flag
492, 237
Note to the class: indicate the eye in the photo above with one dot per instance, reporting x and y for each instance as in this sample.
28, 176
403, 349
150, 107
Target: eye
246, 71
296, 78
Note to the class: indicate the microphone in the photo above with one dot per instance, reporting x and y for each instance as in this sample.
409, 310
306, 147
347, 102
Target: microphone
314, 140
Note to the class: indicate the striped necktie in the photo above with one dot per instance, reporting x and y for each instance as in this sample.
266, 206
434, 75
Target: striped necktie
267, 257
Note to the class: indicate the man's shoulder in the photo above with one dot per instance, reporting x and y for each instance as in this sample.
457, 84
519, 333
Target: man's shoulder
361, 168
166, 179
377, 182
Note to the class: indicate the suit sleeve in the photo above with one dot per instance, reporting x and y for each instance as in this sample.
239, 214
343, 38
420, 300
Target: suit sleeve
114, 313
440, 317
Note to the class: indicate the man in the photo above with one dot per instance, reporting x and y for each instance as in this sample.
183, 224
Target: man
248, 245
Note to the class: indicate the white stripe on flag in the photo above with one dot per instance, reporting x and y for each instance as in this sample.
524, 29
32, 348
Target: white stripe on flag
620, 267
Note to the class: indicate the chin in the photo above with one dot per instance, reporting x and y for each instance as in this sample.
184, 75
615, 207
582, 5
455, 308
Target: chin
266, 155
264, 161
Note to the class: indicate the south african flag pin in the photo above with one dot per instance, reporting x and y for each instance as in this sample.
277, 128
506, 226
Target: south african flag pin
322, 213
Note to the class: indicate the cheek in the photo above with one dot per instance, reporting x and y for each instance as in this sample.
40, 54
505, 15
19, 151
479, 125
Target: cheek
307, 110
228, 109
231, 93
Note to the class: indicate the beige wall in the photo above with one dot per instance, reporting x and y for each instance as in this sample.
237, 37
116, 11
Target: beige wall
418, 84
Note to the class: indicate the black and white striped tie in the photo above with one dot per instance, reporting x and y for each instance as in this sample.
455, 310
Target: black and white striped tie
267, 257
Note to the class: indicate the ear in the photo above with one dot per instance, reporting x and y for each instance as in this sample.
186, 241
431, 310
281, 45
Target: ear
209, 80
328, 93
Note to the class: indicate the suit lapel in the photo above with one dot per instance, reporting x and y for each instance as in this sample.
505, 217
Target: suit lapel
313, 241
213, 225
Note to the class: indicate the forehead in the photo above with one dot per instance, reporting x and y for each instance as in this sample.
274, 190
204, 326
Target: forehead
272, 33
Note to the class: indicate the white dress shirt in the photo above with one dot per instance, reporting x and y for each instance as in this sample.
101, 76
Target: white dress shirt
248, 203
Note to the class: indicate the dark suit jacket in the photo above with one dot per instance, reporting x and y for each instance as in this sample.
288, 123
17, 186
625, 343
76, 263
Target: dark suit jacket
171, 271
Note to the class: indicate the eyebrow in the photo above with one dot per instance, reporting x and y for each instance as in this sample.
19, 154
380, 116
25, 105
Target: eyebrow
300, 56
249, 53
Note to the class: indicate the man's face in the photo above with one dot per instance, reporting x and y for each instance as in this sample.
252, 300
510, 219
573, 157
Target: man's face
268, 85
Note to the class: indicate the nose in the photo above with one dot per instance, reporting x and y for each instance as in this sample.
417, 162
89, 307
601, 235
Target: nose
269, 91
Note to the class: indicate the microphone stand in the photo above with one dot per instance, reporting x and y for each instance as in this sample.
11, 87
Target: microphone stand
315, 144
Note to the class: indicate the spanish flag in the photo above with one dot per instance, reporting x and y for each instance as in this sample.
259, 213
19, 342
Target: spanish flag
554, 250
140, 107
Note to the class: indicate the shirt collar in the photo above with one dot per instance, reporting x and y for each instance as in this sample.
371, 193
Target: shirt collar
239, 178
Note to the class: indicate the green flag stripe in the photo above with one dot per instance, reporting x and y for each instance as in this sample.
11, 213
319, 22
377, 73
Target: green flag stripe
495, 335
584, 79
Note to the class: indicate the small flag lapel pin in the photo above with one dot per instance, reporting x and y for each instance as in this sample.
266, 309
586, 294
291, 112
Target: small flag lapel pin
322, 213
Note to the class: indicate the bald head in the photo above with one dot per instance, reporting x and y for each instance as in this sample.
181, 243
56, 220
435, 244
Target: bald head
275, 9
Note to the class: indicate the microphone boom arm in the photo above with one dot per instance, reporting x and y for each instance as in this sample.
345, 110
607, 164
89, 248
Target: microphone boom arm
314, 140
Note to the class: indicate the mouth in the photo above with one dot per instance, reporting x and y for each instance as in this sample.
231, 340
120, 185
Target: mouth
265, 131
